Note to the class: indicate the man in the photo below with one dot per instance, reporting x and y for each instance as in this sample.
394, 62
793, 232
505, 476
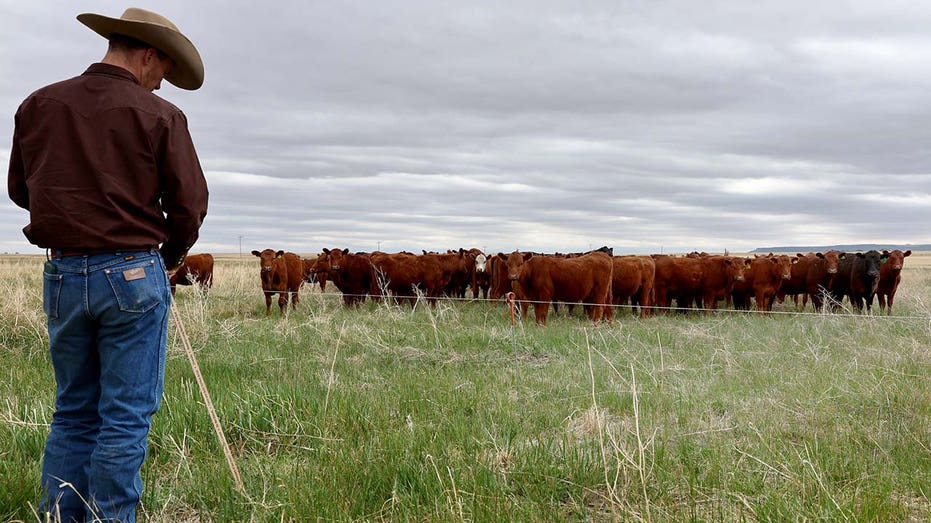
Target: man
108, 172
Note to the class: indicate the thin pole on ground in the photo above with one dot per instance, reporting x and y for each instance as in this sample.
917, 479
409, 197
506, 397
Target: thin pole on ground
237, 479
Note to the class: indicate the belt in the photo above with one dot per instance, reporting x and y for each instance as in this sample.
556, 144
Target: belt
62, 253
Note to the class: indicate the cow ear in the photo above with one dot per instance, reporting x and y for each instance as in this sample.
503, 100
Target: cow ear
326, 251
794, 260
907, 253
800, 255
842, 256
820, 255
279, 254
884, 258
528, 255
748, 262
257, 253
346, 250
860, 255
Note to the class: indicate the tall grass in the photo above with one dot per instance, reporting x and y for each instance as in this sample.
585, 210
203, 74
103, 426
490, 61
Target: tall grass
450, 414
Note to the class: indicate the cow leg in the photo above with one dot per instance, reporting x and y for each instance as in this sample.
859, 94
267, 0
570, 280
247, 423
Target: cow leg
295, 298
762, 302
540, 309
282, 301
524, 309
268, 303
856, 302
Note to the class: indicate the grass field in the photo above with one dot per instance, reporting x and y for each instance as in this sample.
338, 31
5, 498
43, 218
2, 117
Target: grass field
451, 414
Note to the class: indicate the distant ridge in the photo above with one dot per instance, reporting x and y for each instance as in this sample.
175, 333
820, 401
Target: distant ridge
851, 248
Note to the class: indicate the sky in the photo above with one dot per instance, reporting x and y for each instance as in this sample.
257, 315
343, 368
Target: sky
648, 126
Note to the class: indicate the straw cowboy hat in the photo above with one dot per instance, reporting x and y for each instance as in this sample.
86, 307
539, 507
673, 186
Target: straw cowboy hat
157, 31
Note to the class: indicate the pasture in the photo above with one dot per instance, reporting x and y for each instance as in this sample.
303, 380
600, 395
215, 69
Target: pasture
384, 413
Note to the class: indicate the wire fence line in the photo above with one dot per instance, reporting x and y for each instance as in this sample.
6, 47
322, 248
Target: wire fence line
845, 311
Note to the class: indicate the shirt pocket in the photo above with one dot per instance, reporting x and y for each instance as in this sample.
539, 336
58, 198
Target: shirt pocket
137, 287
51, 294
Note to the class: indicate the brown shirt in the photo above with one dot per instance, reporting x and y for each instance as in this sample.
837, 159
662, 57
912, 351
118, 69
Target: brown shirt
101, 162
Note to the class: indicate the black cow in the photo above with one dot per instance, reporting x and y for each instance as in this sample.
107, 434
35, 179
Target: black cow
864, 278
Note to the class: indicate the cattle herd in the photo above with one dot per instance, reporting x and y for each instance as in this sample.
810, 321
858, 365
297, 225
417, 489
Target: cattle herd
598, 280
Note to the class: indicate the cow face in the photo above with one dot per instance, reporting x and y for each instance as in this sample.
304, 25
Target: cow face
334, 258
480, 261
514, 261
785, 265
736, 268
871, 261
895, 259
266, 259
830, 260
317, 268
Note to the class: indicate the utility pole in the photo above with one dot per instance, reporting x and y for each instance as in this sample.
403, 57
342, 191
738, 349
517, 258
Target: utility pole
240, 246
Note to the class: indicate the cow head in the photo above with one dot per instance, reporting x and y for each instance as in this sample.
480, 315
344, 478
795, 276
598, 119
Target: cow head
514, 262
896, 259
319, 267
334, 257
736, 268
829, 260
480, 261
784, 264
266, 258
871, 260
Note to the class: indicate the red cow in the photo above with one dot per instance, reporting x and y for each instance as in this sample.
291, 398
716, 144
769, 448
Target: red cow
464, 274
196, 268
455, 267
890, 274
586, 279
821, 275
633, 278
352, 274
282, 273
498, 284
404, 274
762, 281
679, 278
797, 284
812, 276
719, 275
315, 270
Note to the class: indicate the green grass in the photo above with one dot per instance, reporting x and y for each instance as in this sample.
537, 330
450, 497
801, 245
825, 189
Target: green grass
450, 414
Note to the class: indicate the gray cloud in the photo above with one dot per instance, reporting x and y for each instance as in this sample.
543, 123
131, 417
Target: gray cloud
649, 126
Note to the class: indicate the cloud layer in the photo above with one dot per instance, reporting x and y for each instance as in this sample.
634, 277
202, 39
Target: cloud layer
648, 126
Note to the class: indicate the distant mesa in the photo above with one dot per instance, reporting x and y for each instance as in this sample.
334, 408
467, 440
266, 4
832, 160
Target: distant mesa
846, 248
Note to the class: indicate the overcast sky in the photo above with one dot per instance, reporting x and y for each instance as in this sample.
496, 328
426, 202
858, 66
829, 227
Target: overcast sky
649, 126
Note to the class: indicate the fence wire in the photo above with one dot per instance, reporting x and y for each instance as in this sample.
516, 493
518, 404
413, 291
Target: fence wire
845, 312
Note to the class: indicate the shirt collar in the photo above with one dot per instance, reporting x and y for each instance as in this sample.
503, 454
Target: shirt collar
115, 71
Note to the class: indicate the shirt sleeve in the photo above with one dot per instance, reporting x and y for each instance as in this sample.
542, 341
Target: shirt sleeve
184, 190
16, 178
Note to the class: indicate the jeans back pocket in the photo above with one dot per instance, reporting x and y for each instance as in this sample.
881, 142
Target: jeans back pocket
51, 294
137, 287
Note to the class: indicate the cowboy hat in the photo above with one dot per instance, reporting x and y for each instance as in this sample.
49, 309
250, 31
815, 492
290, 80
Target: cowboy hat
157, 31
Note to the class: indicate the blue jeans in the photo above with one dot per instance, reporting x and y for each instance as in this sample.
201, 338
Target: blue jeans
108, 325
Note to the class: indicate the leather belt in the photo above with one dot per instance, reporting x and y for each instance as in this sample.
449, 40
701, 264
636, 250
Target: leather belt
62, 253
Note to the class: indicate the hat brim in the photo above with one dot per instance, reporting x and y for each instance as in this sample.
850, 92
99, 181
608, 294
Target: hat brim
188, 70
